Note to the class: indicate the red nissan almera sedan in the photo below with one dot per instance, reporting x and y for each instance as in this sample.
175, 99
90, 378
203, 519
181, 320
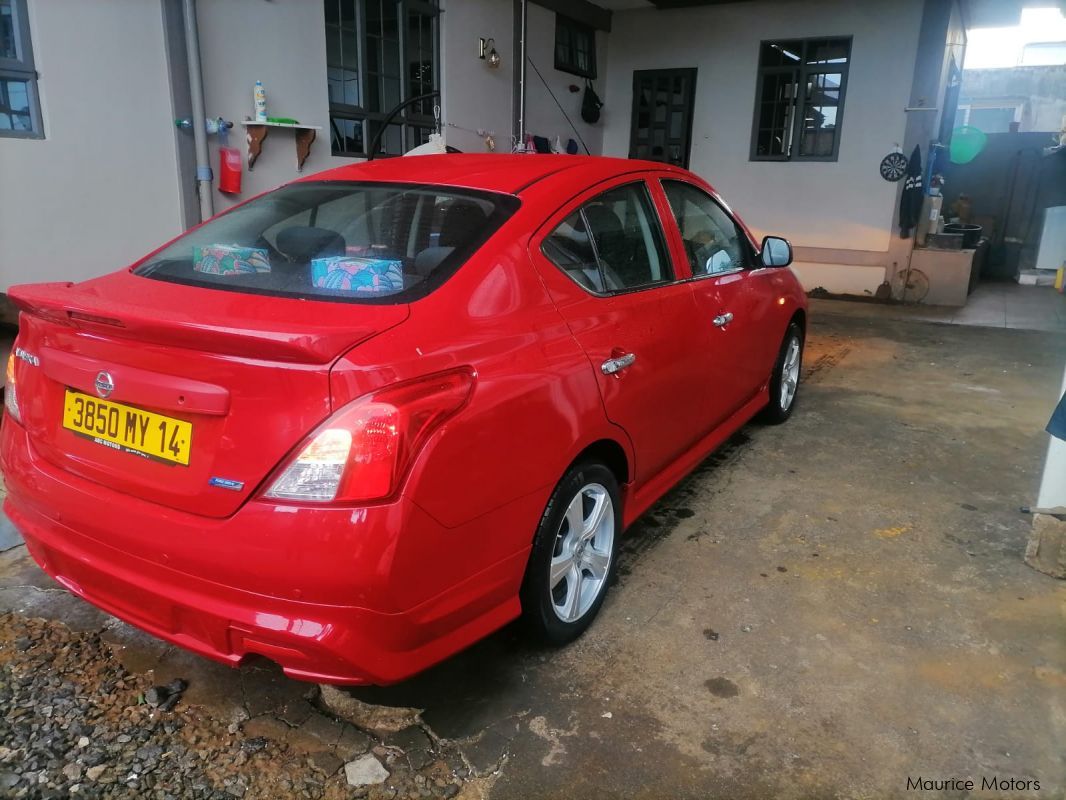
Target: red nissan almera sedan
365, 419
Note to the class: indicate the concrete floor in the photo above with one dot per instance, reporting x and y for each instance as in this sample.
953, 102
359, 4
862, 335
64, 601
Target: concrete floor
824, 609
1002, 304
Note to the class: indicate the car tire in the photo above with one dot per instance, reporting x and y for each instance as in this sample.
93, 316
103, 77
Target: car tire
784, 382
572, 563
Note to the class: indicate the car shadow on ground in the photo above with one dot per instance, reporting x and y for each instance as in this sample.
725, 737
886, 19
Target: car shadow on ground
494, 679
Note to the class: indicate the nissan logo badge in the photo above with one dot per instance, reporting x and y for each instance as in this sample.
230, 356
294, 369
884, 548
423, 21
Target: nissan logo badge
105, 385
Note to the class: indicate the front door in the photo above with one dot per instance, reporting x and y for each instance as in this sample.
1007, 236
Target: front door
732, 305
605, 262
663, 102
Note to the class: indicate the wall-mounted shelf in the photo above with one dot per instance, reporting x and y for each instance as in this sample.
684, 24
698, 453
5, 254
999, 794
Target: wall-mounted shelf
257, 132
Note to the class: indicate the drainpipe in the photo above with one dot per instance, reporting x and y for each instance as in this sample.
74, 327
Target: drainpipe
522, 75
204, 175
518, 121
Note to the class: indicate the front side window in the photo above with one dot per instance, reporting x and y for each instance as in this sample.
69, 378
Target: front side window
20, 109
380, 53
799, 100
575, 47
713, 242
613, 243
363, 242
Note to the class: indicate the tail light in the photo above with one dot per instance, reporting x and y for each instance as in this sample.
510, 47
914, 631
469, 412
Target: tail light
363, 452
11, 402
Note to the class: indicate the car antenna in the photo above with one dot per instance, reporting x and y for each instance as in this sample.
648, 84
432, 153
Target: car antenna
556, 99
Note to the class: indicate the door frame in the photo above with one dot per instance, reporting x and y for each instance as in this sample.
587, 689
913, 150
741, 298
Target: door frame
688, 108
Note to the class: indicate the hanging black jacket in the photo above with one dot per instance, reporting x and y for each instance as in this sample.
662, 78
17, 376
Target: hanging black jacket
910, 202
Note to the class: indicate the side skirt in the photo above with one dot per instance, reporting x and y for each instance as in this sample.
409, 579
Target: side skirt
645, 496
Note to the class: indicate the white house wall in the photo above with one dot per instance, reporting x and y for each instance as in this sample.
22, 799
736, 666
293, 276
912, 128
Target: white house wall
542, 114
283, 44
99, 190
475, 96
838, 205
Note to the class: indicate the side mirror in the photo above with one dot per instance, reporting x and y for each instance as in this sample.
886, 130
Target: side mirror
776, 252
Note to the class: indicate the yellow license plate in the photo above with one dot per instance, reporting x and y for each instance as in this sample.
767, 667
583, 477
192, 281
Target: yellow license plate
131, 430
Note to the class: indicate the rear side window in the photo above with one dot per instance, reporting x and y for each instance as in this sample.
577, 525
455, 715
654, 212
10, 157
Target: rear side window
360, 242
612, 243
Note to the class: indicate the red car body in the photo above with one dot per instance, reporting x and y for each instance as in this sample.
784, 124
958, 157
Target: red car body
373, 592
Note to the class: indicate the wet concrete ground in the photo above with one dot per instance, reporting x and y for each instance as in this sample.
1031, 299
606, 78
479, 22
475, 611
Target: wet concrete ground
824, 609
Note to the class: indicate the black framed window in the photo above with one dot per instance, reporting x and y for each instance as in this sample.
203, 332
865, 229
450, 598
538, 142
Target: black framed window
799, 99
575, 47
20, 108
380, 53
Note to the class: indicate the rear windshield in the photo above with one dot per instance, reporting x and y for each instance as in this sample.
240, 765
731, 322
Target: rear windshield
359, 242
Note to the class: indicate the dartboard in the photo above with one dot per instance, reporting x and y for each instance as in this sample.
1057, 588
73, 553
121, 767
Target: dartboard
893, 166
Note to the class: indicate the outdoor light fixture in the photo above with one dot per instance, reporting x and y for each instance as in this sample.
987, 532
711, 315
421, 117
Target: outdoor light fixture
487, 51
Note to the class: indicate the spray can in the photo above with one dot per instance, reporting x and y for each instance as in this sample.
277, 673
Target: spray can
260, 99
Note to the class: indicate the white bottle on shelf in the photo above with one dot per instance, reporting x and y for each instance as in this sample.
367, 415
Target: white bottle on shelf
260, 99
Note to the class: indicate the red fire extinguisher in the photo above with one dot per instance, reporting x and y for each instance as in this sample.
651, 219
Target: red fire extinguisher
229, 162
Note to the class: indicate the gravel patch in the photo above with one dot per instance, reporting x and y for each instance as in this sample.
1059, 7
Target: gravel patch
75, 723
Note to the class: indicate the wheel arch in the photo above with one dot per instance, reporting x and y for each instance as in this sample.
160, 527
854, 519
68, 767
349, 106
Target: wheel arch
611, 454
799, 316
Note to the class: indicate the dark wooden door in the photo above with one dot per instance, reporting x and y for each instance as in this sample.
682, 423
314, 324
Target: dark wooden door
663, 101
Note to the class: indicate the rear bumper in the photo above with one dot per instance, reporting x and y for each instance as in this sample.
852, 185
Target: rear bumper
95, 542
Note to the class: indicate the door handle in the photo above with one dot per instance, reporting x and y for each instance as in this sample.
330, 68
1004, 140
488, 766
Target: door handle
723, 319
614, 365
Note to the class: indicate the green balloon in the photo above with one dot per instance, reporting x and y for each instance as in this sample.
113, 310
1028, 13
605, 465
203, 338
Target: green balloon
966, 143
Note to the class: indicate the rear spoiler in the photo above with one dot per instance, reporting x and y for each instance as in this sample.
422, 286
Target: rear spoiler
304, 337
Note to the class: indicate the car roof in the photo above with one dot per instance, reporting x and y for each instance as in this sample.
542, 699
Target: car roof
508, 173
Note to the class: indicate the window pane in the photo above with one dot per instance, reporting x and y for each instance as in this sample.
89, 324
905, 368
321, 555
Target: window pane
775, 113
712, 240
830, 51
421, 71
367, 241
570, 248
417, 136
346, 136
8, 46
781, 54
373, 17
348, 13
350, 67
391, 141
627, 236
15, 106
820, 115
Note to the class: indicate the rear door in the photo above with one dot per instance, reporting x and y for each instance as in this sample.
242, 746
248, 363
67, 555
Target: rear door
733, 311
605, 262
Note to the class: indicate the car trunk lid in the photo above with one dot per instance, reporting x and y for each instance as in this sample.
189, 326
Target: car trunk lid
192, 395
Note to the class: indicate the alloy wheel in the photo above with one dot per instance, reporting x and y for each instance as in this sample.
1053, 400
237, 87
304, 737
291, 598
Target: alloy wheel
581, 560
790, 372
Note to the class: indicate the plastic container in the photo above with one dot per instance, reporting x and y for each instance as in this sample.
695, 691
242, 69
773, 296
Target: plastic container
260, 100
